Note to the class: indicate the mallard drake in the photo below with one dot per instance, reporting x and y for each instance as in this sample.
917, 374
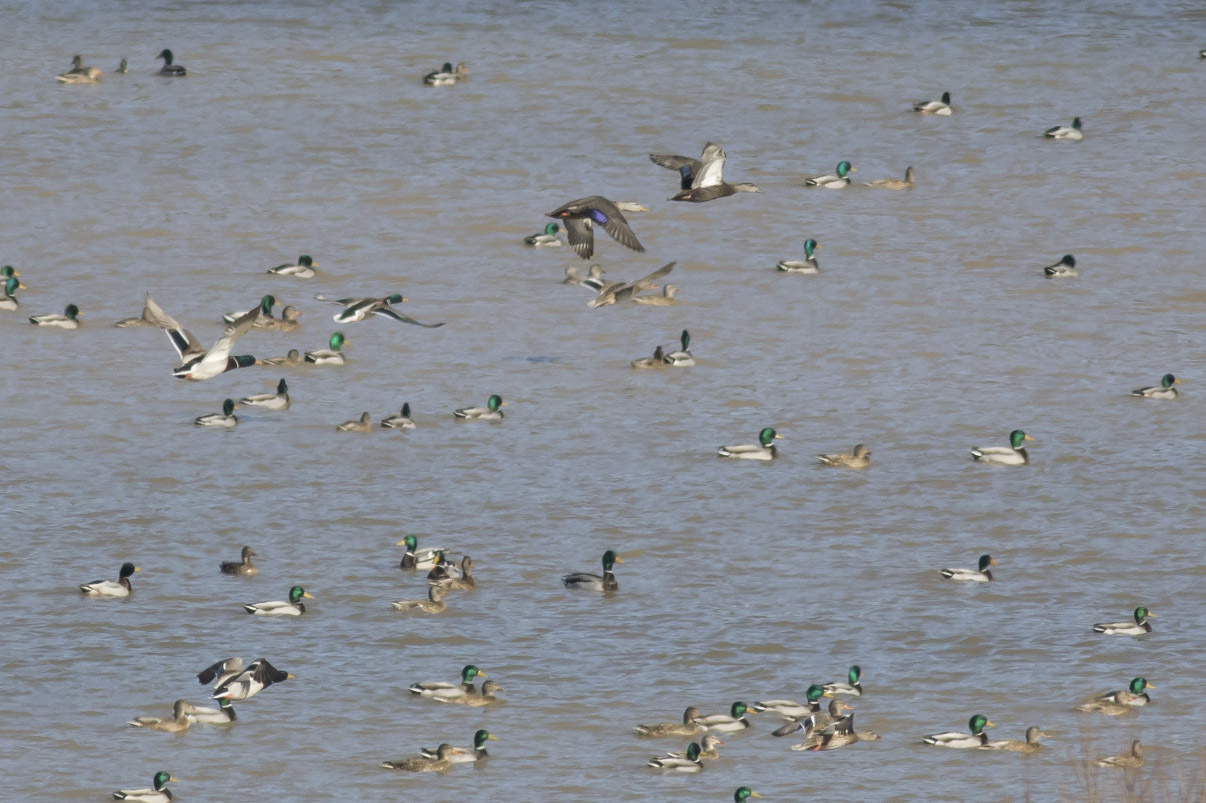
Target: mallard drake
401, 421
854, 688
242, 566
860, 457
226, 418
685, 763
446, 76
1131, 760
1065, 131
938, 107
266, 305
580, 218
817, 719
1011, 455
686, 728
79, 74
477, 698
475, 753
1164, 390
656, 361
707, 748
158, 793
490, 412
9, 301
1065, 267
981, 575
414, 558
122, 68
112, 588
592, 280
548, 239
463, 583
440, 762
288, 321
664, 300
169, 69
197, 363
303, 269
182, 718
358, 309
292, 607
790, 709
681, 358
807, 265
977, 737
68, 320
443, 690
433, 604
362, 424
269, 401
332, 355
840, 179
243, 684
907, 183
743, 793
764, 449
224, 714
731, 722
1120, 702
1135, 628
592, 582
1030, 746
613, 292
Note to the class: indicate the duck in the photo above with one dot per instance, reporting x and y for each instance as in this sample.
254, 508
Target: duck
302, 269
401, 421
764, 449
1164, 390
288, 322
224, 714
699, 195
703, 180
478, 699
221, 671
977, 737
473, 754
242, 566
854, 688
1065, 267
79, 74
441, 761
980, 575
196, 362
332, 355
840, 179
122, 68
545, 240
1011, 455
358, 309
685, 763
581, 216
817, 719
941, 107
1120, 702
463, 583
169, 69
269, 401
1030, 746
807, 265
687, 727
1135, 628
731, 722
266, 305
592, 280
112, 588
439, 689
841, 734
859, 457
433, 604
491, 412
226, 418
447, 76
68, 320
743, 793
362, 424
792, 710
158, 793
292, 607
441, 569
1131, 760
656, 361
293, 358
665, 299
245, 683
582, 581
681, 358
1072, 132
707, 749
9, 301
907, 183
613, 292
415, 558
181, 719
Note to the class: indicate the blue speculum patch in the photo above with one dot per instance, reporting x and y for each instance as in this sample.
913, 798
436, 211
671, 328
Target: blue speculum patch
598, 216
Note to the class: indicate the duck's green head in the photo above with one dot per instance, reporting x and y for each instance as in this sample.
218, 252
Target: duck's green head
127, 569
946, 98
297, 592
161, 780
844, 168
854, 675
1143, 614
282, 387
685, 339
396, 298
447, 66
978, 723
410, 542
551, 229
743, 793
481, 737
228, 407
1168, 380
1076, 123
1016, 437
72, 311
266, 304
1138, 685
470, 672
738, 710
11, 285
815, 692
810, 245
494, 402
337, 340
306, 261
986, 561
166, 55
406, 409
767, 435
8, 272
693, 752
610, 560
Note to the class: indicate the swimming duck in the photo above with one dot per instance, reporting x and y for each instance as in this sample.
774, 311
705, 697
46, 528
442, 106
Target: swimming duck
303, 269
613, 292
841, 734
593, 582
79, 74
580, 218
548, 239
1030, 746
294, 357
731, 722
433, 604
169, 69
860, 457
1065, 267
907, 183
478, 699
438, 763
1065, 132
681, 358
807, 265
792, 710
593, 279
332, 355
686, 728
463, 583
414, 558
834, 181
441, 569
269, 401
981, 575
1164, 390
224, 714
244, 683
9, 301
122, 68
363, 424
357, 309
1131, 760
226, 418
1011, 455
68, 320
266, 305
475, 753
818, 719
853, 689
664, 300
447, 76
401, 421
656, 361
743, 793
939, 107
242, 566
288, 321
181, 719
686, 763
1122, 701
825, 724
1136, 628
764, 449
197, 363
112, 588
293, 607
976, 738
438, 689
158, 793
490, 412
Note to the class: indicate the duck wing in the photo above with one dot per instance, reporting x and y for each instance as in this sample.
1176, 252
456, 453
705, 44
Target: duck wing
389, 312
713, 167
581, 236
221, 349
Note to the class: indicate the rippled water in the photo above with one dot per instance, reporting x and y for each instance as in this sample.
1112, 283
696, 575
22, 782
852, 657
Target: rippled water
304, 128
